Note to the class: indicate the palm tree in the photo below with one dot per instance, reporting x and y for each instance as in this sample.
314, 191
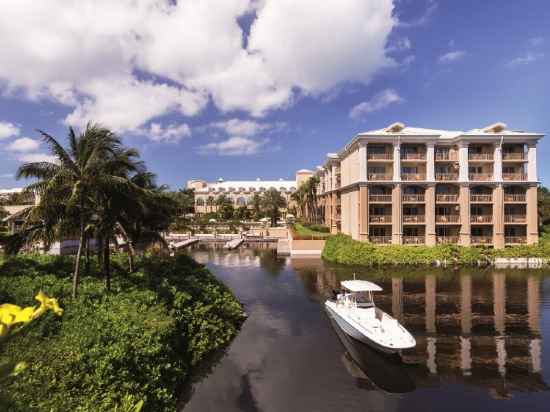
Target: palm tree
299, 197
256, 203
272, 202
210, 202
68, 185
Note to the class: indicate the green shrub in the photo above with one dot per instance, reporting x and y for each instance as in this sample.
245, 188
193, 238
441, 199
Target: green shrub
299, 231
138, 342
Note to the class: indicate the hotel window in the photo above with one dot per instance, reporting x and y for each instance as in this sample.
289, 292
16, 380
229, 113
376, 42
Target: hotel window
379, 170
378, 210
475, 169
410, 170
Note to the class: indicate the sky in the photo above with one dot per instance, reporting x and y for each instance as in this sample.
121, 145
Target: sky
246, 89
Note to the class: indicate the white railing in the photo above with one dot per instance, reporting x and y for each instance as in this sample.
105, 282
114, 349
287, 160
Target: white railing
413, 240
380, 218
413, 218
446, 198
380, 198
447, 218
481, 197
413, 198
381, 240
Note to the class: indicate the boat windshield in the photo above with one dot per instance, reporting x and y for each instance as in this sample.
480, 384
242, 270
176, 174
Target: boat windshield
364, 299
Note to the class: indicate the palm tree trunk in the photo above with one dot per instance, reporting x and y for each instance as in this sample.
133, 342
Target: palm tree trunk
107, 264
87, 254
131, 254
76, 275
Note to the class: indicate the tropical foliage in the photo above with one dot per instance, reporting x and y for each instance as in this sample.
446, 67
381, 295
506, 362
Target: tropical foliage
271, 203
305, 198
95, 189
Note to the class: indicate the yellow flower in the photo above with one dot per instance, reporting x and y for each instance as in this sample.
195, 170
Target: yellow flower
13, 315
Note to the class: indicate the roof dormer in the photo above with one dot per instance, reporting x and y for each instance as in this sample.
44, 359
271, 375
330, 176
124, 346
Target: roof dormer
395, 127
495, 128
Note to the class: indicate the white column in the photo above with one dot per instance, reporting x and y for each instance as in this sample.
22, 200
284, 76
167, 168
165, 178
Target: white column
497, 164
430, 162
397, 161
333, 180
463, 162
532, 162
362, 162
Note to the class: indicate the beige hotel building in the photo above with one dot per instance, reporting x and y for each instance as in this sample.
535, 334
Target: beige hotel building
407, 185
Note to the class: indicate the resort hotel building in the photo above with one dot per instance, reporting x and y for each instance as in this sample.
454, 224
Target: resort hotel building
407, 185
241, 192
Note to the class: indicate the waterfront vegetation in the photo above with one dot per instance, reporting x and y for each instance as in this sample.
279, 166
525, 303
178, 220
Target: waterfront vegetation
137, 342
343, 249
305, 231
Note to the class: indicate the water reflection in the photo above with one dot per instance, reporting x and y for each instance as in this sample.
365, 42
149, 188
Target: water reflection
479, 340
479, 329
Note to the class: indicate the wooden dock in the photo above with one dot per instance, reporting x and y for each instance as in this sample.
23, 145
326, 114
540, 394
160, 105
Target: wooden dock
183, 243
233, 244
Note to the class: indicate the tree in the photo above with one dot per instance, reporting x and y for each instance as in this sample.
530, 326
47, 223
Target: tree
256, 206
272, 201
243, 213
210, 202
185, 201
225, 207
543, 197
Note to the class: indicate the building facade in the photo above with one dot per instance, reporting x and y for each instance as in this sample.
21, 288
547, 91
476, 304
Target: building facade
241, 192
406, 185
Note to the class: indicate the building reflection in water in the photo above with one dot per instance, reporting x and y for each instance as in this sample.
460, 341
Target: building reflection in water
476, 329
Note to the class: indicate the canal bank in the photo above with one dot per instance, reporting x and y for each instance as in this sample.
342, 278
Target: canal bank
481, 336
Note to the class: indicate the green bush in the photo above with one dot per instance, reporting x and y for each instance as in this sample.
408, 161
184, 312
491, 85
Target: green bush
343, 249
299, 231
137, 342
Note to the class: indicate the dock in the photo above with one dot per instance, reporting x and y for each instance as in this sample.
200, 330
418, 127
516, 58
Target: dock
183, 243
283, 247
233, 244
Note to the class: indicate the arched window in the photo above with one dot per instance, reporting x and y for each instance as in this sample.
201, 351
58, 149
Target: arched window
199, 201
241, 201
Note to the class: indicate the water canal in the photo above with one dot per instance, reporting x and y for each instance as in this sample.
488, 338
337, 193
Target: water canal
483, 340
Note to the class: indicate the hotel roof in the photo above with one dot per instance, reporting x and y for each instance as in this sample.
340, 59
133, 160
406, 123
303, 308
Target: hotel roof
248, 185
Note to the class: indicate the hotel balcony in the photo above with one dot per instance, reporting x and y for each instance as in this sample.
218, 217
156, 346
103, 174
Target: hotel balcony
379, 176
380, 240
452, 219
481, 198
513, 156
380, 219
443, 240
514, 197
414, 219
481, 219
384, 157
413, 198
446, 198
414, 240
515, 240
476, 177
443, 177
413, 156
446, 156
515, 218
482, 240
413, 176
380, 198
520, 177
480, 157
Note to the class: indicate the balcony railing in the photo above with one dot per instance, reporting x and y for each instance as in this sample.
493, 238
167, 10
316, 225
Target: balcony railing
481, 198
380, 198
379, 176
519, 197
446, 176
446, 239
380, 218
515, 239
414, 218
379, 156
451, 156
380, 240
482, 240
413, 198
514, 176
481, 218
513, 156
515, 218
447, 218
413, 176
413, 240
481, 176
446, 198
480, 156
413, 156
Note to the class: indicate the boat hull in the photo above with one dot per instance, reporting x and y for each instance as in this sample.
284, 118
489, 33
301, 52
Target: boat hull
351, 331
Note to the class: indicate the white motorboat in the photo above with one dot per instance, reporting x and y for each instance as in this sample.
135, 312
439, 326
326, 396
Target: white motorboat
356, 314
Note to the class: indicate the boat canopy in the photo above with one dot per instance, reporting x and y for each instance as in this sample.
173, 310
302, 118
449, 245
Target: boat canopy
360, 286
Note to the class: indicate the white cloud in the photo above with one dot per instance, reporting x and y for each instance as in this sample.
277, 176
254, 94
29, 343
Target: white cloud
424, 18
399, 45
536, 41
23, 144
170, 134
36, 157
239, 127
527, 58
235, 146
8, 130
452, 56
379, 101
128, 62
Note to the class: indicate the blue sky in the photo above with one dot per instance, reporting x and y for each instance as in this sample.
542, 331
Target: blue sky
260, 88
